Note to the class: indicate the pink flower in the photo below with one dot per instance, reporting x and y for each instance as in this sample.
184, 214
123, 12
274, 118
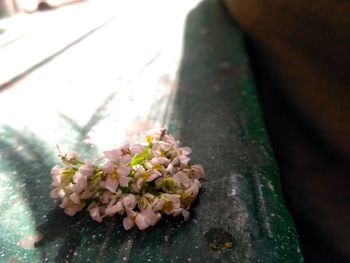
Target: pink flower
120, 155
147, 217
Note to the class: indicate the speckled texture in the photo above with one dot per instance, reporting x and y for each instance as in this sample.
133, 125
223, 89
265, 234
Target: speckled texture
211, 106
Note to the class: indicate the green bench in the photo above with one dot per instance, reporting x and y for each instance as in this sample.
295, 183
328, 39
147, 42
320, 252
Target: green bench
213, 108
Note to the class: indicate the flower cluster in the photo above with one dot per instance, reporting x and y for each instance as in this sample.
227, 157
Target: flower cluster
140, 182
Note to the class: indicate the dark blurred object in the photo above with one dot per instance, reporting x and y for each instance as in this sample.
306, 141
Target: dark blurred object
300, 53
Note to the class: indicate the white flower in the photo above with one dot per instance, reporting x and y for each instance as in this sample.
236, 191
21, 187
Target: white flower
117, 169
116, 178
120, 155
142, 181
172, 204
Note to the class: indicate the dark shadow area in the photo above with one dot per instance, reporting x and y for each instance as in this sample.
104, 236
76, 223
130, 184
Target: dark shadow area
308, 165
314, 174
81, 239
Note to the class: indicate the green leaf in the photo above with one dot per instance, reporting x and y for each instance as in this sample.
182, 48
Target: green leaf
125, 189
140, 157
96, 177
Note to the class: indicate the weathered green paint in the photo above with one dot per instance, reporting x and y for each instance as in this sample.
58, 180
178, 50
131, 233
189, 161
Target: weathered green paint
214, 110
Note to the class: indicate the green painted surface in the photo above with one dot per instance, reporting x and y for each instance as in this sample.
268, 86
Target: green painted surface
211, 106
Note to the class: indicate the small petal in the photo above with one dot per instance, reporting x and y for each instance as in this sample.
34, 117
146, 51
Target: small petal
87, 169
113, 209
125, 159
181, 178
56, 170
186, 150
86, 194
108, 167
75, 188
141, 222
72, 210
128, 223
129, 201
193, 190
64, 203
95, 214
61, 193
75, 198
184, 159
54, 193
186, 214
124, 181
111, 184
113, 155
56, 180
80, 179
198, 171
155, 174
158, 204
150, 216
163, 160
123, 170
136, 149
170, 169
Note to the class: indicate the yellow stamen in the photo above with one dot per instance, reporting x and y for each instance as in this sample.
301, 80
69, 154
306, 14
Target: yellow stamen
228, 245
157, 167
115, 175
149, 138
145, 175
168, 206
